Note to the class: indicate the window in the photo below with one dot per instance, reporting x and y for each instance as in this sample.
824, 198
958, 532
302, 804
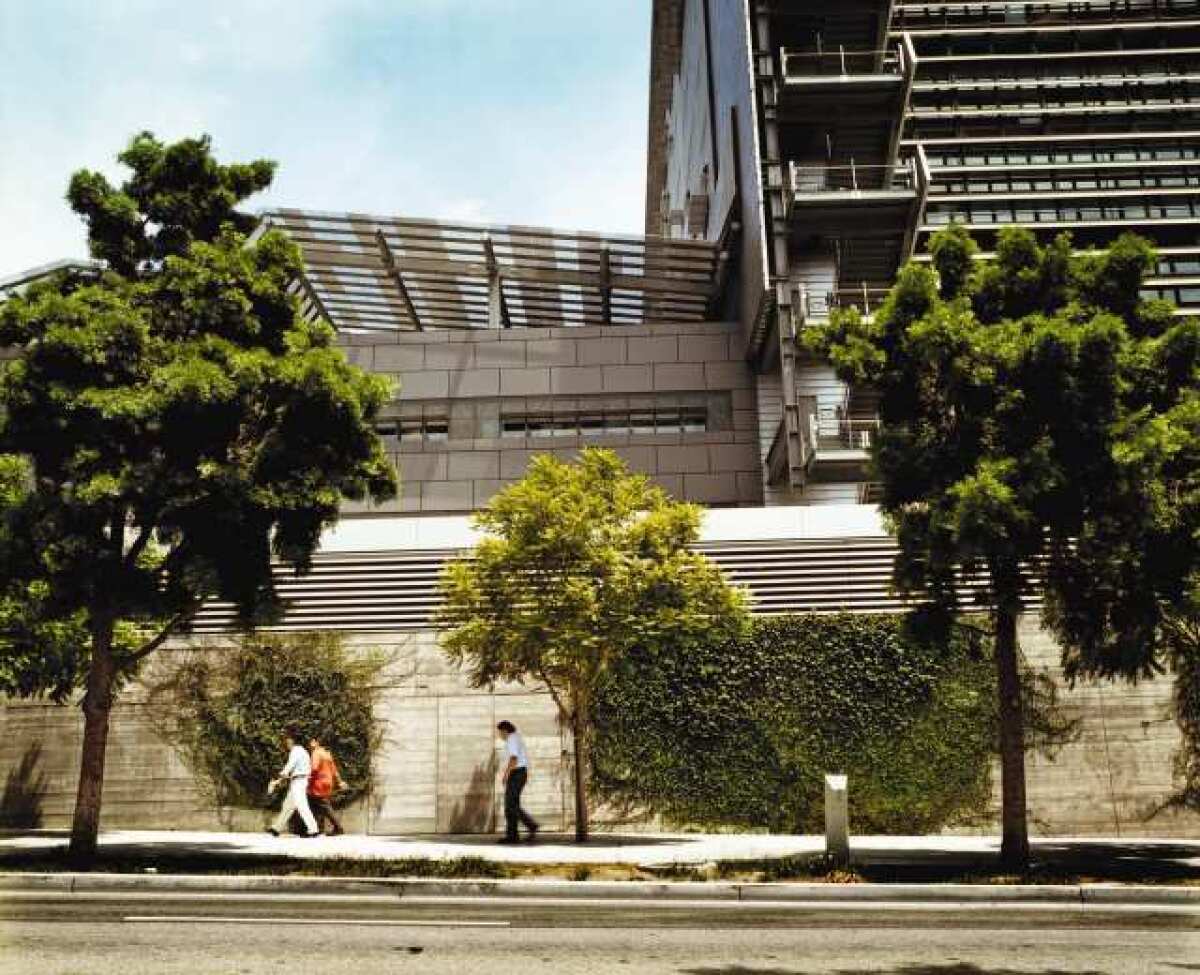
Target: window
609, 422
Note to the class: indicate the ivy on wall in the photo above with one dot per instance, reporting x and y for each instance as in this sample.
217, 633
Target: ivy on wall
224, 710
742, 733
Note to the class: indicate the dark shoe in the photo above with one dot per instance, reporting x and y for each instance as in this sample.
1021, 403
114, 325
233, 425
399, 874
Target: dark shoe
507, 841
533, 832
337, 831
313, 836
273, 831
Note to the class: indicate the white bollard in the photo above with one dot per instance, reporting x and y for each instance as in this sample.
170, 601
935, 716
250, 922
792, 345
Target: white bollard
837, 820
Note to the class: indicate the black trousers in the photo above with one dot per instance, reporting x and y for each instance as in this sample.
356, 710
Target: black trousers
513, 813
322, 810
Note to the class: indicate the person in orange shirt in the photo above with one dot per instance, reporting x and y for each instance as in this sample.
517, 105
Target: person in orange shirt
322, 783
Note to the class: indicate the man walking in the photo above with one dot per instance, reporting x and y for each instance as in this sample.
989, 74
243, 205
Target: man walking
325, 779
514, 776
295, 775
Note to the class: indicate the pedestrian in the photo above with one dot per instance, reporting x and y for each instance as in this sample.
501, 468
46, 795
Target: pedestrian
294, 775
323, 782
514, 776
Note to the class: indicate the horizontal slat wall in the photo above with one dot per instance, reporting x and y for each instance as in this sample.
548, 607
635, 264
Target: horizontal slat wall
384, 591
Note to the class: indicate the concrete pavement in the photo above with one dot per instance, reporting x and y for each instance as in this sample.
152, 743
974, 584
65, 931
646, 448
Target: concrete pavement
635, 849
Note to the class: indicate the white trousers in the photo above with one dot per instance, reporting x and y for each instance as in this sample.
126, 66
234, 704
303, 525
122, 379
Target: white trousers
296, 800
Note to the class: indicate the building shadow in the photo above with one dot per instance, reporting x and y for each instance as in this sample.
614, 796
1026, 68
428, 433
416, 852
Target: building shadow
25, 790
475, 811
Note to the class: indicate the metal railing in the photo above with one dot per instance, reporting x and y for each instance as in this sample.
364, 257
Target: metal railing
836, 431
811, 306
851, 177
840, 61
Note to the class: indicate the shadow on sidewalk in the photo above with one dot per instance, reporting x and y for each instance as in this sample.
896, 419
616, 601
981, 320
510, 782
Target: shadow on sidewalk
953, 968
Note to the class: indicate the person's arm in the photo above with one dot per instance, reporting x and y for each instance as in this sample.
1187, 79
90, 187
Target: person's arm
508, 767
290, 766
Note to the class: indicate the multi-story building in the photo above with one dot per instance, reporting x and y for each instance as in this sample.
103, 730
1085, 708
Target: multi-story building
799, 152
835, 136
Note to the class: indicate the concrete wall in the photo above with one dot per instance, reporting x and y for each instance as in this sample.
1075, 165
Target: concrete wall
438, 769
472, 378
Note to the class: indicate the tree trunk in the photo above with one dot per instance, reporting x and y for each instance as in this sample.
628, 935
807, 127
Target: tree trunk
1014, 847
97, 704
578, 733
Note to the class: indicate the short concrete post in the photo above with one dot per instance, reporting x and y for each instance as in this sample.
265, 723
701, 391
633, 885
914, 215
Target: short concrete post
837, 820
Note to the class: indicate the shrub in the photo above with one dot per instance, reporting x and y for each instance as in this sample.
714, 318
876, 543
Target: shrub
224, 710
741, 733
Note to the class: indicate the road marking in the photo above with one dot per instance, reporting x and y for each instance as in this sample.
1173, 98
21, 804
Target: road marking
359, 922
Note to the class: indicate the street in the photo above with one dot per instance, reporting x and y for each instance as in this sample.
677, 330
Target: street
230, 934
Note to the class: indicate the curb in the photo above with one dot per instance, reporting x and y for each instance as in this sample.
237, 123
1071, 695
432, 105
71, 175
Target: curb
1080, 895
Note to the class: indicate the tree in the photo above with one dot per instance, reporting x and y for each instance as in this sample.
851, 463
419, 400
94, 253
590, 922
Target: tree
179, 424
1002, 403
580, 564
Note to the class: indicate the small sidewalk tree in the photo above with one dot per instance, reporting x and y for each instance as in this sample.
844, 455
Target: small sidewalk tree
1003, 399
170, 425
580, 563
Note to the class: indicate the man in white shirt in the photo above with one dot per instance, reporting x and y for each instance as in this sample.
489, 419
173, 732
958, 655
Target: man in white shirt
514, 776
295, 775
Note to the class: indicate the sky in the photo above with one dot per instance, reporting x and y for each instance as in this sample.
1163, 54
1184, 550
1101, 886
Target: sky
505, 111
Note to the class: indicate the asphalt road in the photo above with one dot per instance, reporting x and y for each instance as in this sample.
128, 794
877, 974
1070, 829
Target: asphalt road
245, 935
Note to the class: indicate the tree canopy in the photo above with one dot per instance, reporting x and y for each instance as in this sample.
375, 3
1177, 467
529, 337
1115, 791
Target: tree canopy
580, 563
1008, 405
170, 425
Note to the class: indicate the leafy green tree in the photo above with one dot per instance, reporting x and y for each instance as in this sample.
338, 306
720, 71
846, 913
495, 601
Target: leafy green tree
581, 563
1002, 407
170, 425
222, 707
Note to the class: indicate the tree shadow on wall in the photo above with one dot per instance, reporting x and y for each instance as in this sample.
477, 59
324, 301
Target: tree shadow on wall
25, 789
475, 811
920, 968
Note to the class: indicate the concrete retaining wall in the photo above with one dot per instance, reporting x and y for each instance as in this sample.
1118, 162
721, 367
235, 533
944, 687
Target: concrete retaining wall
439, 767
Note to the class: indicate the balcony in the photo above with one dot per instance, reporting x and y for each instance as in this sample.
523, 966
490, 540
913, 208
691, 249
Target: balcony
850, 200
862, 85
816, 443
814, 307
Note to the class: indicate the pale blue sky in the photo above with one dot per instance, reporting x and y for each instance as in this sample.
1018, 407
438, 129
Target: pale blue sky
530, 111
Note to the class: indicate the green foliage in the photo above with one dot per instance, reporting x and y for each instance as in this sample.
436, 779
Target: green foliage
177, 420
224, 710
581, 564
1005, 397
742, 732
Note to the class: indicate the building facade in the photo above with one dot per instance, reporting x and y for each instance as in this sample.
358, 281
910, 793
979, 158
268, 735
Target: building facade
799, 151
835, 136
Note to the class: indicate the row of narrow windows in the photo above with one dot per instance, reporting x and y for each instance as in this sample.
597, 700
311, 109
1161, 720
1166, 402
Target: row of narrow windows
1050, 211
1030, 45
682, 420
1066, 181
1041, 156
596, 423
1183, 297
1049, 74
924, 15
1081, 95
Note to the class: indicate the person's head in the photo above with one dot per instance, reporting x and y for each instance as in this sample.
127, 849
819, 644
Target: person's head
314, 742
292, 736
506, 728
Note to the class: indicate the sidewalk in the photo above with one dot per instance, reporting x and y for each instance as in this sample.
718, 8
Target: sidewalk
1099, 856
